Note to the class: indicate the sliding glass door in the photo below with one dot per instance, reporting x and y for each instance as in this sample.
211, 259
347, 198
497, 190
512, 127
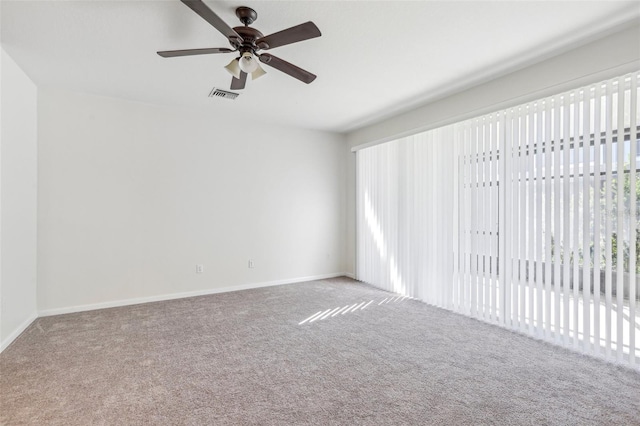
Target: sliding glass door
526, 217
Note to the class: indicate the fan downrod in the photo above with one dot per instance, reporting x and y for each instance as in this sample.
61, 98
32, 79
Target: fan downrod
246, 15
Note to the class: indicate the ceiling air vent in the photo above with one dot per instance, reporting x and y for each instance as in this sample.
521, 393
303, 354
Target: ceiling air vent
219, 93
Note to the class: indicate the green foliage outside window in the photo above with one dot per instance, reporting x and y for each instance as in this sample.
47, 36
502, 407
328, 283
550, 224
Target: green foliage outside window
629, 197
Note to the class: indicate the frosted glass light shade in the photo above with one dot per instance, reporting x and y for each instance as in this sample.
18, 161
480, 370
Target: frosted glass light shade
234, 68
248, 63
259, 72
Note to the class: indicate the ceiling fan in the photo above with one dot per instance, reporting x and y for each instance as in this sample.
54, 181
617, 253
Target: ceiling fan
248, 42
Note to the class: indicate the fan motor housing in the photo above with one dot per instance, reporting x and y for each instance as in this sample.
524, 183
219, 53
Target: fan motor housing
249, 36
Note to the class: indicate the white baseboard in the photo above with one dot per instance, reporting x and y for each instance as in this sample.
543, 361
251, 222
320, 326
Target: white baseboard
350, 275
18, 331
159, 298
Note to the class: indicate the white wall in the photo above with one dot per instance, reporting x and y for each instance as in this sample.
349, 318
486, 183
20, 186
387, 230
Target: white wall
610, 56
133, 196
18, 195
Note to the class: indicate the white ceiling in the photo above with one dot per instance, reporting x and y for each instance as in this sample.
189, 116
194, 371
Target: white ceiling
374, 59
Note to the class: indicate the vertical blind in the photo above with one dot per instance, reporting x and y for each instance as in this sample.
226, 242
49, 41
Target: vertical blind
526, 217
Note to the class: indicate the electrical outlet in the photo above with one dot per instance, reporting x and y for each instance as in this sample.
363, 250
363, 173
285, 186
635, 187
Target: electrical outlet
251, 264
199, 269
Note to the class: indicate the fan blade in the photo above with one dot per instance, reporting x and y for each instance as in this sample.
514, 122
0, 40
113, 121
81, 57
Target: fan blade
190, 52
208, 15
287, 68
238, 83
290, 35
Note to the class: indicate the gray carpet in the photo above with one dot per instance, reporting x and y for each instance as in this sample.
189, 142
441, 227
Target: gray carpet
243, 358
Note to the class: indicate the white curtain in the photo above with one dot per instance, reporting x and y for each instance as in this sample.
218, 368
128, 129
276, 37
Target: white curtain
526, 217
404, 216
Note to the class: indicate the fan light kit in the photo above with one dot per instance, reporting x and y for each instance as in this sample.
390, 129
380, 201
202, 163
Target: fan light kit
248, 63
248, 41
